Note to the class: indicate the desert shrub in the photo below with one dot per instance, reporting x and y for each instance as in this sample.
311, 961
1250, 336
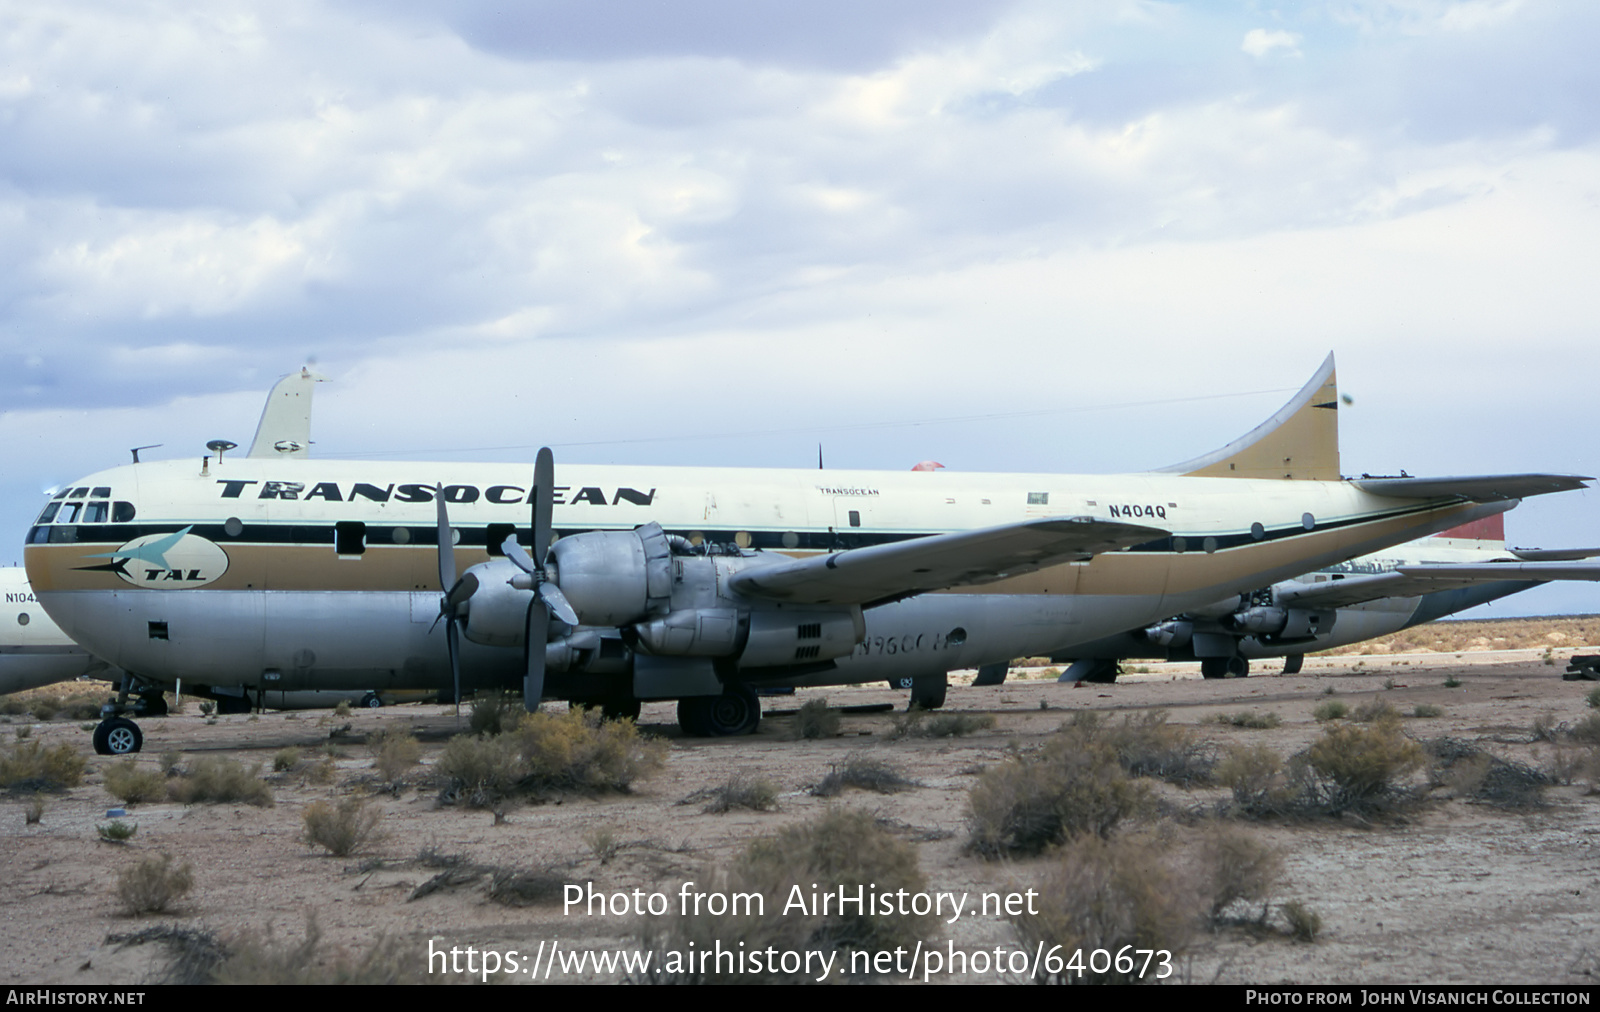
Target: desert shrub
340, 709
153, 884
494, 712
815, 720
845, 850
865, 772
920, 723
603, 842
24, 731
341, 829
193, 954
285, 759
1545, 727
218, 780
1256, 720
1070, 788
1235, 869
1361, 766
1305, 924
394, 751
512, 888
1452, 682
1109, 894
573, 752
1373, 711
131, 783
254, 959
33, 811
322, 771
1258, 779
1586, 730
170, 761
80, 708
29, 765
1333, 709
1144, 746
45, 707
12, 706
742, 790
1593, 698
117, 831
1471, 773
1427, 710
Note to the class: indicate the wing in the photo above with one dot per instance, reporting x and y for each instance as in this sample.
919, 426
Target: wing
1473, 488
1411, 581
888, 572
1554, 554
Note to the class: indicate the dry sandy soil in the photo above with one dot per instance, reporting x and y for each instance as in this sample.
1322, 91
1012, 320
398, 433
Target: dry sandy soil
1455, 892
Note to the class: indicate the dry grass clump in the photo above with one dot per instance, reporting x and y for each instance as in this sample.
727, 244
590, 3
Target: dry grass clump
865, 772
918, 723
285, 759
1072, 787
1253, 719
394, 751
840, 849
815, 720
1586, 731
1593, 698
1374, 710
1258, 780
1106, 895
50, 707
573, 752
29, 765
1473, 774
1145, 746
1305, 924
131, 783
219, 780
153, 885
253, 959
1235, 871
494, 712
1427, 710
342, 829
742, 790
1333, 709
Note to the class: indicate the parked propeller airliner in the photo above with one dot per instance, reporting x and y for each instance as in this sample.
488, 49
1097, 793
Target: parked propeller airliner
1348, 602
693, 584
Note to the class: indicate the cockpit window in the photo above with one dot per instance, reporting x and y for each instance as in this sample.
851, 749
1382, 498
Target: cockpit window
49, 513
69, 513
102, 492
77, 493
95, 513
122, 512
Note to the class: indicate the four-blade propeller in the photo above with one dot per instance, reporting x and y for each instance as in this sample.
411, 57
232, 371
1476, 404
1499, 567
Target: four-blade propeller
547, 596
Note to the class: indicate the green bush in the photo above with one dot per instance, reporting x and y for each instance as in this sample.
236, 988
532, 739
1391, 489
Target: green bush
1363, 764
1333, 709
117, 831
1305, 924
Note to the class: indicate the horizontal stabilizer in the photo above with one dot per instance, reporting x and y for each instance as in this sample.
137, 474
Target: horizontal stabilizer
1554, 554
889, 572
1473, 488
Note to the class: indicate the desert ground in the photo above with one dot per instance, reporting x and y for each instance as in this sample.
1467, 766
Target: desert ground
1448, 890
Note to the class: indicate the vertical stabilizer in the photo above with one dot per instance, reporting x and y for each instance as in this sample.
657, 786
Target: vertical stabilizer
285, 427
1300, 441
1487, 532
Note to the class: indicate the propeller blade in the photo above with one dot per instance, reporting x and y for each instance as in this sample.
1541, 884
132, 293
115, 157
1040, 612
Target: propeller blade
544, 482
533, 642
464, 588
518, 555
447, 548
558, 604
452, 636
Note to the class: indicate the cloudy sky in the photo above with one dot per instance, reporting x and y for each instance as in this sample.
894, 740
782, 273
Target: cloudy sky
1094, 236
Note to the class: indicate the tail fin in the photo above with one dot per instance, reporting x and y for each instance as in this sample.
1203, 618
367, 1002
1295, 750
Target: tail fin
1300, 442
1488, 532
285, 426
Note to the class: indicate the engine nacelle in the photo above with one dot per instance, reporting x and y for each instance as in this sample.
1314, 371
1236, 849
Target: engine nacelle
1171, 633
1283, 624
615, 578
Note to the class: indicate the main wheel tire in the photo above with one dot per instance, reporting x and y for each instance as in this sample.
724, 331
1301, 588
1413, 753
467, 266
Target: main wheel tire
117, 736
737, 711
1214, 667
371, 701
1293, 663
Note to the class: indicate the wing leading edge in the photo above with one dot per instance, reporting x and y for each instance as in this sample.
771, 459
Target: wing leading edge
1411, 581
888, 572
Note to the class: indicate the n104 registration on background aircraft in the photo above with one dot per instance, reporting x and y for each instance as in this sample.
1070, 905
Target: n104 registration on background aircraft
692, 584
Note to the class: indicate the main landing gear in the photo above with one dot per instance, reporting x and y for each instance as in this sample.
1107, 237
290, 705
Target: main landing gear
736, 711
116, 734
1224, 667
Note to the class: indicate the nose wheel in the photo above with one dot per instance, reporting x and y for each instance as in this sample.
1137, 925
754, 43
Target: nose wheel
117, 736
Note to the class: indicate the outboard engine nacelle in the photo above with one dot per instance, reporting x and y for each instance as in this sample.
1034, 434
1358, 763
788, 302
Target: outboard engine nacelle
615, 578
1171, 633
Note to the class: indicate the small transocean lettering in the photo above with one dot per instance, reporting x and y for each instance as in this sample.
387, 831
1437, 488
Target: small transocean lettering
419, 492
1137, 510
836, 490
